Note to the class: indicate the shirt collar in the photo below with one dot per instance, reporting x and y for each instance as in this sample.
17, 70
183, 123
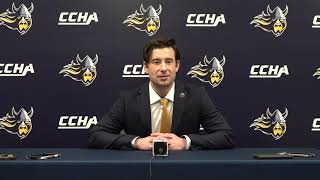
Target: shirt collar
154, 97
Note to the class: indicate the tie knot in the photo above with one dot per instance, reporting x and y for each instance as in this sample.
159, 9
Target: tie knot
164, 102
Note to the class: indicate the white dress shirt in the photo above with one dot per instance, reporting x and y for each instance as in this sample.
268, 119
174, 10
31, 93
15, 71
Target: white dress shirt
156, 111
156, 107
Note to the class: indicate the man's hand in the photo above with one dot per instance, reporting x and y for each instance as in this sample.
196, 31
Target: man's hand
144, 143
175, 142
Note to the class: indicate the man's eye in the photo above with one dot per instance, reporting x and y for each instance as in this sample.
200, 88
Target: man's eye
156, 62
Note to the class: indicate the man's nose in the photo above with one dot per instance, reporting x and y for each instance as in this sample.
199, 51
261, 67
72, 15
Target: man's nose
163, 66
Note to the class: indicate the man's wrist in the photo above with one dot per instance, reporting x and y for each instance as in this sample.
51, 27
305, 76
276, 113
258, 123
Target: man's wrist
188, 140
134, 142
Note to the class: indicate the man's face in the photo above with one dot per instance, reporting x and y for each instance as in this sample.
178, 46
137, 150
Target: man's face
162, 67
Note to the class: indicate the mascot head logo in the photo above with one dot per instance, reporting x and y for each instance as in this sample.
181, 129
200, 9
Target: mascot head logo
18, 18
18, 123
274, 21
272, 124
209, 71
317, 73
146, 20
83, 70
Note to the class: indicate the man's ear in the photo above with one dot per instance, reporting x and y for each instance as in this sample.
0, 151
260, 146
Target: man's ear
177, 65
146, 67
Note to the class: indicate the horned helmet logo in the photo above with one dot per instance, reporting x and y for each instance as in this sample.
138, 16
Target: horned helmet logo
83, 70
317, 73
147, 20
18, 123
209, 71
274, 21
272, 124
19, 19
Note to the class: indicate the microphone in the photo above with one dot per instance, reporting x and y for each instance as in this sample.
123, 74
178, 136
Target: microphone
160, 148
182, 95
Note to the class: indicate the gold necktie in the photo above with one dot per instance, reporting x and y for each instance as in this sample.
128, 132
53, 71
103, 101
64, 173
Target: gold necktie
165, 116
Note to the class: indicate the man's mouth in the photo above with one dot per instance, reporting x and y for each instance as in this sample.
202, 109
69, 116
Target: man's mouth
163, 77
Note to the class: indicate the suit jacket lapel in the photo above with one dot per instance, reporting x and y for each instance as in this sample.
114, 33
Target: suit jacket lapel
179, 96
144, 106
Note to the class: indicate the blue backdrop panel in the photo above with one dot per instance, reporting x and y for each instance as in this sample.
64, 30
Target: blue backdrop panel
63, 107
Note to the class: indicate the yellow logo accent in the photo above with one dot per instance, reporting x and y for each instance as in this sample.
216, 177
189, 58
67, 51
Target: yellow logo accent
274, 21
18, 123
83, 70
19, 19
210, 71
147, 20
272, 124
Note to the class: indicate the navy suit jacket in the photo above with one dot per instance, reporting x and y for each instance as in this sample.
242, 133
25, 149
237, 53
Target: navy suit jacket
192, 108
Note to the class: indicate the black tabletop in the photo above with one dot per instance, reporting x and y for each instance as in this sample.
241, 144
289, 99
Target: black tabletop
114, 164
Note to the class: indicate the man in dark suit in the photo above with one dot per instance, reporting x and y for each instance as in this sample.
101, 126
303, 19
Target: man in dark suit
162, 109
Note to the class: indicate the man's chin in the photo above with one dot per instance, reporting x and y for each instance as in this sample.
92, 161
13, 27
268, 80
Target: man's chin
164, 83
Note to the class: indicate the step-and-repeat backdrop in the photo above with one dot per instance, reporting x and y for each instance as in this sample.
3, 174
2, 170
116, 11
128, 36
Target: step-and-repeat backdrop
63, 64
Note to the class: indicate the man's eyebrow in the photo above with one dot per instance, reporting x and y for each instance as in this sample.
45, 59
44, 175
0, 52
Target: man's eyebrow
165, 59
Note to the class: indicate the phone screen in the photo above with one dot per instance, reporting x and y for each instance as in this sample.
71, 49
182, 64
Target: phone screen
7, 156
41, 156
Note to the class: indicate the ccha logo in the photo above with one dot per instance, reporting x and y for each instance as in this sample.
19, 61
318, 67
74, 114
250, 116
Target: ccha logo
316, 124
130, 70
83, 70
274, 21
18, 123
209, 71
205, 20
15, 69
77, 18
77, 122
268, 71
271, 124
147, 20
317, 73
18, 18
316, 21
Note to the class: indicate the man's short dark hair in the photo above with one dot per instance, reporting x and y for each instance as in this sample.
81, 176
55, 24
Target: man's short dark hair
159, 43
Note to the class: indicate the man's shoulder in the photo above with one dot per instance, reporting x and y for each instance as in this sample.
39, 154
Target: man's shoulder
188, 86
135, 91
